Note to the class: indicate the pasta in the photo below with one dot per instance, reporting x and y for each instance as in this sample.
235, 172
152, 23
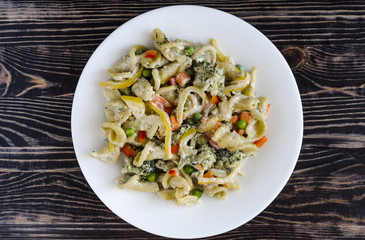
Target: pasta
183, 118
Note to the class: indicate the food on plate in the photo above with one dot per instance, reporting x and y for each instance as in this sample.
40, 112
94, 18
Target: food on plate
182, 117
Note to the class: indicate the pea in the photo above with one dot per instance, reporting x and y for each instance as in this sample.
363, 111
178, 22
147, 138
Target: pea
239, 66
198, 193
189, 50
146, 73
241, 124
129, 132
188, 169
197, 117
152, 177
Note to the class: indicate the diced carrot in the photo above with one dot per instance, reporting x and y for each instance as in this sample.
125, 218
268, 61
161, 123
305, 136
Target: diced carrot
142, 137
175, 149
208, 174
173, 81
160, 102
246, 116
240, 131
174, 123
128, 150
215, 99
182, 78
199, 167
151, 53
234, 119
267, 111
173, 173
225, 185
260, 142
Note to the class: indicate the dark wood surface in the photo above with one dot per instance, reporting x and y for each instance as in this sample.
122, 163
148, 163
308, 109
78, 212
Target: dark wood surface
44, 46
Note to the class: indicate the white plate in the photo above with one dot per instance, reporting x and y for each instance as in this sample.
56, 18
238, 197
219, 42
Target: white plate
265, 175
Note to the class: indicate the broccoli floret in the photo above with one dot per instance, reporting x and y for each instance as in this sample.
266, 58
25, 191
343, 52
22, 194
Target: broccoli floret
228, 159
205, 157
208, 78
204, 71
176, 135
143, 171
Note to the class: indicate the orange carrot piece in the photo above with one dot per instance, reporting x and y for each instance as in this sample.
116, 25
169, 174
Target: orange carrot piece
174, 123
215, 99
234, 119
246, 116
173, 173
128, 150
175, 149
159, 101
260, 142
182, 78
208, 174
142, 137
151, 53
240, 131
267, 110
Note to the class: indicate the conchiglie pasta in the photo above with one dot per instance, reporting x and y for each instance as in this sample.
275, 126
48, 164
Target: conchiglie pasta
115, 134
106, 155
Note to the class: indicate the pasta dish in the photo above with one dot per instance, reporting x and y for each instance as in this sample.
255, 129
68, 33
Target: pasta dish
182, 117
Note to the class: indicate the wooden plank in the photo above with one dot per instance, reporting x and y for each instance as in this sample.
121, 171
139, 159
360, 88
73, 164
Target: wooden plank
44, 46
326, 188
61, 25
123, 231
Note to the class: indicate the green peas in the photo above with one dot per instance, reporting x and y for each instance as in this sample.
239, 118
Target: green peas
129, 132
239, 66
146, 73
241, 124
198, 193
197, 117
188, 169
152, 177
189, 50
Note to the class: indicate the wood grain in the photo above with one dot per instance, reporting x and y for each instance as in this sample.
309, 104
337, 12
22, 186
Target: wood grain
44, 46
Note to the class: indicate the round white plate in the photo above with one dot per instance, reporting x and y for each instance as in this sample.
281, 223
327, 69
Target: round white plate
265, 175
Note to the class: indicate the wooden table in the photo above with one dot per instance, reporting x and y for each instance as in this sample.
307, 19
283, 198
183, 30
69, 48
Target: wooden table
44, 46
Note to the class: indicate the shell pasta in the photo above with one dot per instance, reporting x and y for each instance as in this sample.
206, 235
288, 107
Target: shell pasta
183, 118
